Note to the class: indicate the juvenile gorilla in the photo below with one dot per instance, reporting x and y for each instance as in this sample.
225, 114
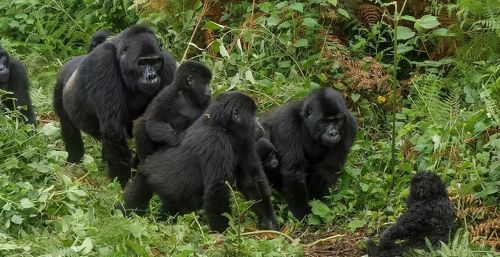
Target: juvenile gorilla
103, 92
312, 139
265, 149
98, 38
173, 110
14, 78
218, 147
429, 214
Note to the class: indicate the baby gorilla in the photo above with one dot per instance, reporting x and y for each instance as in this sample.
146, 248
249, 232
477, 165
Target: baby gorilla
218, 147
173, 110
429, 214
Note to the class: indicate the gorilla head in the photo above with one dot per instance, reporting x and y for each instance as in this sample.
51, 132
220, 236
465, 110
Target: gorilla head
426, 185
140, 57
235, 112
324, 113
98, 38
194, 81
4, 68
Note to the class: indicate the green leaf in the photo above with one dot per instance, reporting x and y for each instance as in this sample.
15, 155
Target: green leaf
26, 203
249, 76
441, 32
16, 219
223, 51
310, 22
356, 223
405, 33
344, 13
332, 2
297, 7
427, 22
408, 18
355, 97
301, 43
213, 26
319, 208
50, 130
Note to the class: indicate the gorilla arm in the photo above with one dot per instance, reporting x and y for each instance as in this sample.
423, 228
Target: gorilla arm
110, 108
161, 132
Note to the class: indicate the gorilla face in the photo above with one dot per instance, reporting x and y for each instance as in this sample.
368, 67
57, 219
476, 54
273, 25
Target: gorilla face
4, 67
198, 86
141, 60
324, 116
426, 185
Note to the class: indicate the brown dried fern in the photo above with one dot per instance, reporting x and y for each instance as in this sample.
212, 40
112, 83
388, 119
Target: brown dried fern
370, 14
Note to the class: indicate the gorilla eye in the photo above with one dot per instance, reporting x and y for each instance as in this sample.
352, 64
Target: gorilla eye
189, 80
309, 111
235, 114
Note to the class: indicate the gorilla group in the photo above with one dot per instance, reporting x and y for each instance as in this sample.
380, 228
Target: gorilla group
103, 92
429, 214
218, 147
14, 79
312, 139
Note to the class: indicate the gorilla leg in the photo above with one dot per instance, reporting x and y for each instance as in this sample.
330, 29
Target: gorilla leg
294, 186
117, 156
318, 185
143, 144
137, 195
71, 135
216, 202
257, 189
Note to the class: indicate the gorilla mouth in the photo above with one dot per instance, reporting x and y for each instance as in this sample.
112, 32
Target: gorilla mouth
4, 77
330, 141
154, 81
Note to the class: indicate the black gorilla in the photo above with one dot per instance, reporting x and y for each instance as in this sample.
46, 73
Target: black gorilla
98, 38
312, 139
173, 110
103, 92
429, 214
218, 147
14, 78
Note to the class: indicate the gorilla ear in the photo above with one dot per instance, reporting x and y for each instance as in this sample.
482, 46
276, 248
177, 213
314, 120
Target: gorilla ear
235, 115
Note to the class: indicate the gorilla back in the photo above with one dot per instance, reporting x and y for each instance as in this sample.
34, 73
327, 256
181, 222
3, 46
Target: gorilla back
103, 92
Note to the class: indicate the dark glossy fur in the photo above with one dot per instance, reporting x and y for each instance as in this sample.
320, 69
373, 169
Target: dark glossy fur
103, 92
98, 38
429, 214
312, 139
14, 78
265, 149
173, 110
218, 147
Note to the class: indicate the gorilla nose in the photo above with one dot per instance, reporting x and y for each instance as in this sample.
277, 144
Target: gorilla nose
2, 68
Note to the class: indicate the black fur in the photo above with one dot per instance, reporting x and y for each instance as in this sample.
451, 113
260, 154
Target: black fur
98, 38
312, 139
218, 147
173, 110
265, 149
14, 78
103, 92
429, 214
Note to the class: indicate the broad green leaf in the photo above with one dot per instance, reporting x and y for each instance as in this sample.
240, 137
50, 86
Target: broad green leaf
441, 32
26, 203
427, 22
16, 219
344, 13
332, 2
249, 76
408, 18
405, 33
213, 26
310, 22
301, 43
356, 223
319, 208
223, 51
297, 7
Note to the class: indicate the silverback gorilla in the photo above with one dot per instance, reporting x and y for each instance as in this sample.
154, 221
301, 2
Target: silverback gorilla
218, 147
312, 138
14, 78
103, 92
173, 110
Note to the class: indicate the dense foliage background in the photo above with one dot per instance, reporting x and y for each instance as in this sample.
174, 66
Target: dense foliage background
438, 95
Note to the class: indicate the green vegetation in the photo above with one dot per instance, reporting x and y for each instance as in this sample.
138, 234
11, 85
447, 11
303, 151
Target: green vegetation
440, 93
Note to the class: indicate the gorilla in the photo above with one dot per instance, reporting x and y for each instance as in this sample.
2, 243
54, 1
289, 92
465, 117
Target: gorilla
14, 78
312, 139
173, 110
429, 214
103, 92
98, 38
218, 148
